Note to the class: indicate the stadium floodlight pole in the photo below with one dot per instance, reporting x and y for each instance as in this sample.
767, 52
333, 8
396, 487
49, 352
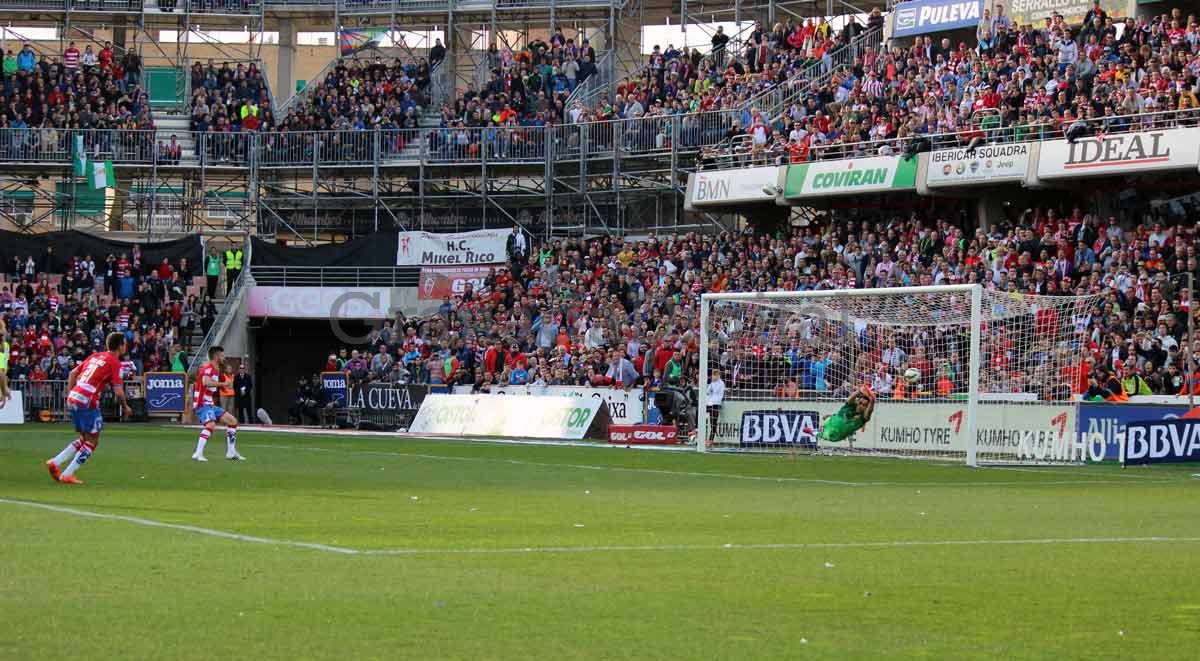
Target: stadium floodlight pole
973, 376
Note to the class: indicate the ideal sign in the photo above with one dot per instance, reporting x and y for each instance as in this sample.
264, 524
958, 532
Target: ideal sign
924, 16
731, 186
1120, 153
461, 249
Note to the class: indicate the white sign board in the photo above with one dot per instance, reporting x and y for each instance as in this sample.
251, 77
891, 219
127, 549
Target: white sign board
732, 186
13, 412
1019, 431
505, 417
1120, 153
625, 407
988, 164
320, 302
461, 249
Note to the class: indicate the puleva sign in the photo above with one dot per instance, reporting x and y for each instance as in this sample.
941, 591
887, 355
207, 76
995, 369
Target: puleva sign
1121, 153
847, 177
922, 16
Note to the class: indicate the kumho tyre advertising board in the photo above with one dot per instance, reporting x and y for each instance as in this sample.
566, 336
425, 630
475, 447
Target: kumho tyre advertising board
506, 417
1041, 431
849, 177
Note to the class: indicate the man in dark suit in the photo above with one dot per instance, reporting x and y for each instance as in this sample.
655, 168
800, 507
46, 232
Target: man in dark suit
243, 392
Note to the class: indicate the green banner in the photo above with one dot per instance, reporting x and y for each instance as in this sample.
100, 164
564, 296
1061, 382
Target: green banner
851, 176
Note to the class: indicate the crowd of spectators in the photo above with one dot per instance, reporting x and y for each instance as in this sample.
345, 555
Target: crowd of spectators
46, 101
57, 315
607, 312
225, 101
1018, 82
532, 87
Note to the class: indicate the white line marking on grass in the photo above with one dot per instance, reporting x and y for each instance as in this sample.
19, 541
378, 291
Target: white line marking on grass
342, 550
181, 527
663, 471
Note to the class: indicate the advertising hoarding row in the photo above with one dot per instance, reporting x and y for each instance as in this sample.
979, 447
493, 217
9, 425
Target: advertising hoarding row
1033, 164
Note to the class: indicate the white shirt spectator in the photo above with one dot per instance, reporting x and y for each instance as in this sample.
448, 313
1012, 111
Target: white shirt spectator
716, 392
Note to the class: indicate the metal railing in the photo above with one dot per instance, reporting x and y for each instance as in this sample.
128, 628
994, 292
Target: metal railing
776, 100
990, 130
230, 308
336, 276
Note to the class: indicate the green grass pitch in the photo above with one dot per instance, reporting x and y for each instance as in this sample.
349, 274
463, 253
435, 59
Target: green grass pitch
359, 547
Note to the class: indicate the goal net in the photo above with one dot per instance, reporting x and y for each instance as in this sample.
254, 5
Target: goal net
995, 381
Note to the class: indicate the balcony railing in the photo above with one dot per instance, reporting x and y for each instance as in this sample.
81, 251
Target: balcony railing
989, 130
336, 276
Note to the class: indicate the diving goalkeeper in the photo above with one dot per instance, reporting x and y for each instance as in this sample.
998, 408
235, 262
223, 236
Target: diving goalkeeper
853, 416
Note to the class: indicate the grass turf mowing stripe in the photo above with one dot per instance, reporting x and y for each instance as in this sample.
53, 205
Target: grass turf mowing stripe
341, 550
663, 471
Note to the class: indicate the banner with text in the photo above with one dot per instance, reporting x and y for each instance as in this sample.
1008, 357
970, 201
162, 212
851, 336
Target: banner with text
925, 16
731, 186
1024, 12
166, 392
1120, 153
1161, 442
567, 418
335, 387
439, 282
380, 400
1108, 421
461, 249
848, 177
1018, 431
643, 434
625, 407
991, 164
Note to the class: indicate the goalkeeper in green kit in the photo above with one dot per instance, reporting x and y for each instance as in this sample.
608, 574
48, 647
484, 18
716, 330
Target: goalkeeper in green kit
853, 416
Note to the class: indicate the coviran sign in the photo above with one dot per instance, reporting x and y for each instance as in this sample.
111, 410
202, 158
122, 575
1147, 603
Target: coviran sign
850, 176
1121, 153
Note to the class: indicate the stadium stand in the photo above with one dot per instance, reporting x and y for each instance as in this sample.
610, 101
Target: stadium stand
564, 312
95, 94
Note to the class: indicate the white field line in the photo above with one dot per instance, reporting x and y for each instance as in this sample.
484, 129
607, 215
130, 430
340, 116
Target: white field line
663, 471
342, 550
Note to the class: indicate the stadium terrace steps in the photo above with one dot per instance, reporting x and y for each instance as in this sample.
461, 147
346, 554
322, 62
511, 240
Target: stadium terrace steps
167, 125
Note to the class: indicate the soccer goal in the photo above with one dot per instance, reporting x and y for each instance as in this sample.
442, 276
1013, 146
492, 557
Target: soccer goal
958, 372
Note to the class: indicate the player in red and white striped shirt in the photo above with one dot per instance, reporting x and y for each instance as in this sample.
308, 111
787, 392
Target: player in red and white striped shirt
204, 406
86, 383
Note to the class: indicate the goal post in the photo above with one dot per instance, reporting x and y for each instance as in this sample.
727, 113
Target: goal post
958, 372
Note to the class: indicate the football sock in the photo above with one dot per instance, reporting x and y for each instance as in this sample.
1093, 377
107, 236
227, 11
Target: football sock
204, 434
85, 453
231, 440
68, 452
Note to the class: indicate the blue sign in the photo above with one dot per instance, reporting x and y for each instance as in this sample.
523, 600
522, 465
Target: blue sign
925, 16
1109, 421
335, 387
1166, 441
774, 428
166, 392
